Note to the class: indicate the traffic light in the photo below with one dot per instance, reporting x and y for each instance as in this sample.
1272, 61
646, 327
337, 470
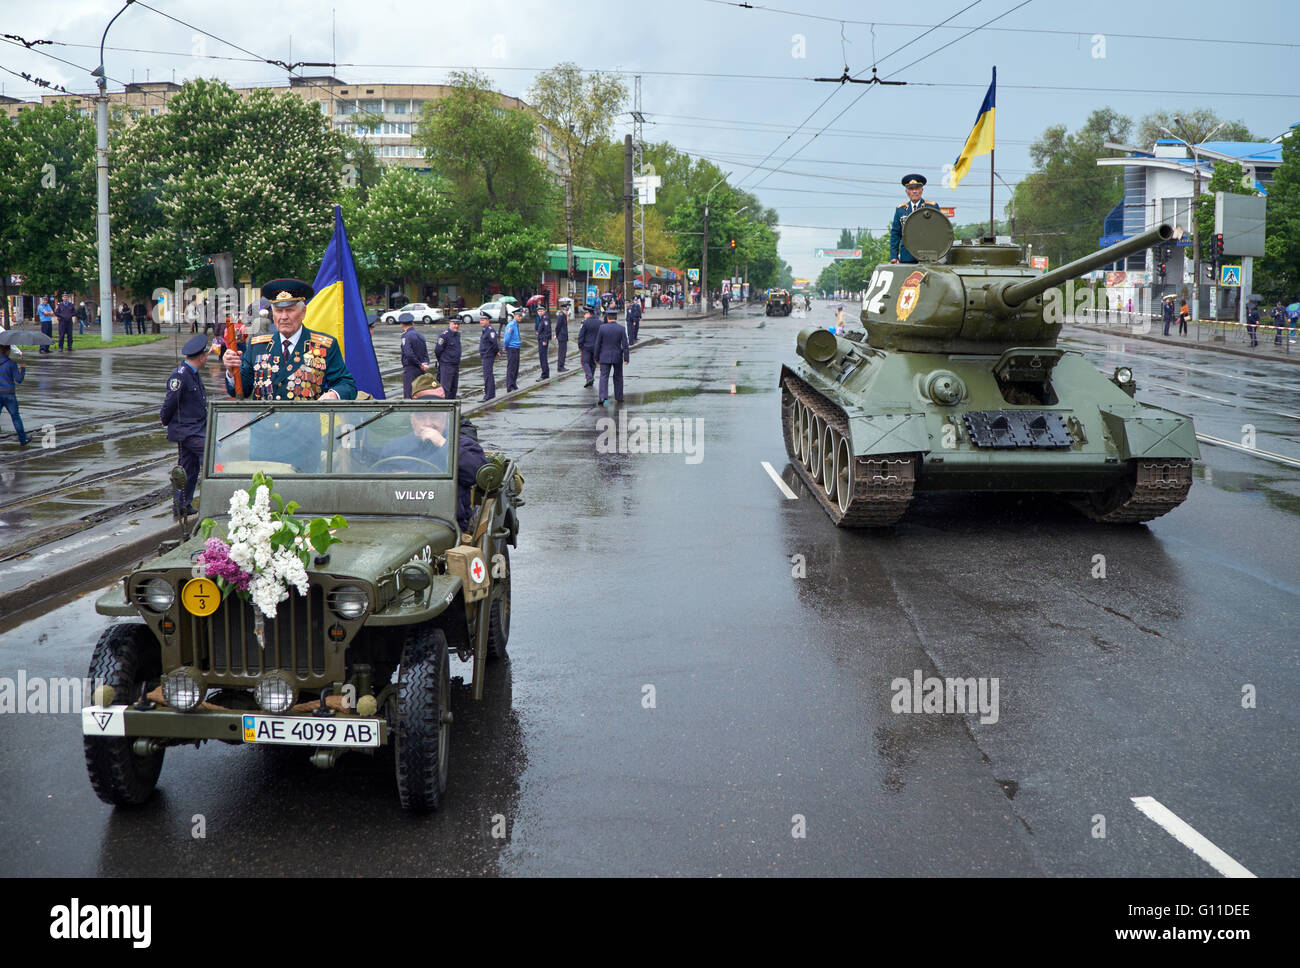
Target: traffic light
1218, 243
1163, 267
733, 243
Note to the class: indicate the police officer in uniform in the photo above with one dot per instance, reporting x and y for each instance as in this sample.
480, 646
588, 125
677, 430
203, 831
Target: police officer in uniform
489, 345
292, 363
543, 343
512, 340
914, 184
185, 414
447, 353
587, 344
633, 319
611, 351
415, 355
1252, 324
561, 338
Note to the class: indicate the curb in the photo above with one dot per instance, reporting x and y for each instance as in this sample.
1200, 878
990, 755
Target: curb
1170, 341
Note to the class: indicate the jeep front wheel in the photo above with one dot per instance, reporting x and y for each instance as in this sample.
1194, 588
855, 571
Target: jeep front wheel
499, 613
423, 716
125, 657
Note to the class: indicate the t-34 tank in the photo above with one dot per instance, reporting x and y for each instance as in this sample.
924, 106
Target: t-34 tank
958, 384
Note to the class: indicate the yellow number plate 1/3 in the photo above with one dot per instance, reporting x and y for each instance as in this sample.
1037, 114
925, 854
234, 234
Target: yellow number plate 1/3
200, 596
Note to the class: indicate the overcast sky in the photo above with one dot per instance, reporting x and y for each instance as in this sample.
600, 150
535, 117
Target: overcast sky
733, 84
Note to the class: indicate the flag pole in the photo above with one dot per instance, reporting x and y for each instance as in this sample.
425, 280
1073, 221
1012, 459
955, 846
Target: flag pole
992, 230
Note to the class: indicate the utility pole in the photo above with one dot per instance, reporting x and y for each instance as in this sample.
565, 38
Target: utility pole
638, 164
706, 300
101, 173
568, 236
628, 196
1189, 143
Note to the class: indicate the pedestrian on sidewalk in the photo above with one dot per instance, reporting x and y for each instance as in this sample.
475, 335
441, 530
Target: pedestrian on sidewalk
66, 313
726, 301
124, 317
513, 342
1252, 324
561, 338
1293, 315
1168, 310
415, 355
447, 352
185, 415
82, 317
1183, 313
489, 346
1279, 323
587, 344
11, 374
633, 320
542, 326
611, 353
45, 312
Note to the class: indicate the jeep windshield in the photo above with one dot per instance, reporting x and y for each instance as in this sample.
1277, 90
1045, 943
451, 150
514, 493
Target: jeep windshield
370, 439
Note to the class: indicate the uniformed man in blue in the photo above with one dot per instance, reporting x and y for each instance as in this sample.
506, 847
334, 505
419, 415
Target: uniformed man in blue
587, 344
561, 338
542, 325
611, 351
185, 415
415, 355
292, 363
513, 343
914, 185
489, 346
633, 319
447, 351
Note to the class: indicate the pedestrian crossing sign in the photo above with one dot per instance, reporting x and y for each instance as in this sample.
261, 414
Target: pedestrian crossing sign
693, 275
600, 269
1230, 275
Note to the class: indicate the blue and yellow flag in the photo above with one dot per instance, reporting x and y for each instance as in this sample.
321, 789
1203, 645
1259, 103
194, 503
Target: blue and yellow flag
338, 310
980, 141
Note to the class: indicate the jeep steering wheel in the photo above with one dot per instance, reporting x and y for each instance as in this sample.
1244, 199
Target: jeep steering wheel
419, 460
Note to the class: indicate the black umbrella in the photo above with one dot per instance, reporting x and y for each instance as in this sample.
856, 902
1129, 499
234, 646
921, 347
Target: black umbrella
24, 337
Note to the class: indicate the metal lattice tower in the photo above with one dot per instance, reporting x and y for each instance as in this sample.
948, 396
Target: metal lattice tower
638, 166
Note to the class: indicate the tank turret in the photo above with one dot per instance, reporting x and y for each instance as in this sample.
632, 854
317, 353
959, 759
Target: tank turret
973, 297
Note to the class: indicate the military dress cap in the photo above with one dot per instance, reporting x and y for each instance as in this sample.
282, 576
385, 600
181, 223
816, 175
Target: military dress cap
195, 345
484, 314
425, 381
912, 181
286, 292
517, 311
611, 311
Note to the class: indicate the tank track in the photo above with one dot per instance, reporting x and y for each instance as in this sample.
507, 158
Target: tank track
1155, 488
883, 484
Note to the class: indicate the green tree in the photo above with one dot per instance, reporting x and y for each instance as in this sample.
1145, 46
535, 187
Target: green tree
406, 230
1277, 275
1199, 123
1061, 205
579, 111
846, 240
485, 150
505, 250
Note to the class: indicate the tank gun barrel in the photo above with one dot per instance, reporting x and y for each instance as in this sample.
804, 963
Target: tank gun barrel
1016, 293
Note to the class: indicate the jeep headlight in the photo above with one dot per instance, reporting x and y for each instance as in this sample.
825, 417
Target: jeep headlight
348, 601
1123, 375
414, 577
181, 689
157, 594
274, 692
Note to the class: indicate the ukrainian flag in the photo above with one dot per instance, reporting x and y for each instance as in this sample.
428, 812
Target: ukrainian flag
980, 141
338, 310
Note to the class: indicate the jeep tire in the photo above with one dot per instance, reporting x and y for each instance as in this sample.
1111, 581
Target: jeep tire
423, 726
499, 612
125, 657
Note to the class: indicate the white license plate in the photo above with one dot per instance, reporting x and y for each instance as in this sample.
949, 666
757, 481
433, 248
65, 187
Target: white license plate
311, 731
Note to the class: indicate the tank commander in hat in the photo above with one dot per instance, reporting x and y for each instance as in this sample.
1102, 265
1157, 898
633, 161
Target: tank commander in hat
292, 363
913, 184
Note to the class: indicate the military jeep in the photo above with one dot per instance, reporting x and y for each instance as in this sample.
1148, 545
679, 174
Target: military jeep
361, 662
778, 303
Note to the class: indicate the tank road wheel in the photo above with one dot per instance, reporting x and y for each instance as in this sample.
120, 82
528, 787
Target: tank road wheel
804, 418
499, 613
790, 423
814, 461
843, 474
830, 444
125, 657
1149, 489
423, 726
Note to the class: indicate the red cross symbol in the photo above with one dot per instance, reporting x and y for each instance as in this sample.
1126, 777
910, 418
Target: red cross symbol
476, 569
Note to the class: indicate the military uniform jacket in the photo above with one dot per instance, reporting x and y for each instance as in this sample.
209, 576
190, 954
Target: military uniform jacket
562, 326
634, 312
611, 343
447, 349
414, 350
489, 345
896, 247
317, 366
185, 408
587, 333
543, 329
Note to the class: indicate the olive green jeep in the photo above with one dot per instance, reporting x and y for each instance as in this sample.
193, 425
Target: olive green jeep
361, 661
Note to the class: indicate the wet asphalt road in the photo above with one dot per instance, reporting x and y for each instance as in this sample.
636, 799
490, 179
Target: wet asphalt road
772, 692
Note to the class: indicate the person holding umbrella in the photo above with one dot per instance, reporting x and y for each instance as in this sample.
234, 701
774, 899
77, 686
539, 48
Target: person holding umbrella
11, 374
1293, 314
1168, 311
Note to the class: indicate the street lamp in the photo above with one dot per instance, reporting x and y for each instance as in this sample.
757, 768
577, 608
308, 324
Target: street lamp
1186, 142
1013, 206
704, 252
101, 173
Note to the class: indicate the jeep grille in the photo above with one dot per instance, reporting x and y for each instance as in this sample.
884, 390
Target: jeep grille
225, 643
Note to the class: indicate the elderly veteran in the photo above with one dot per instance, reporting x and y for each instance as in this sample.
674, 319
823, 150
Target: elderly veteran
293, 363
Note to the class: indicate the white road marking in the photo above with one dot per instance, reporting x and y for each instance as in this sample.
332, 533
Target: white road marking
1232, 403
1253, 451
776, 479
1186, 835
